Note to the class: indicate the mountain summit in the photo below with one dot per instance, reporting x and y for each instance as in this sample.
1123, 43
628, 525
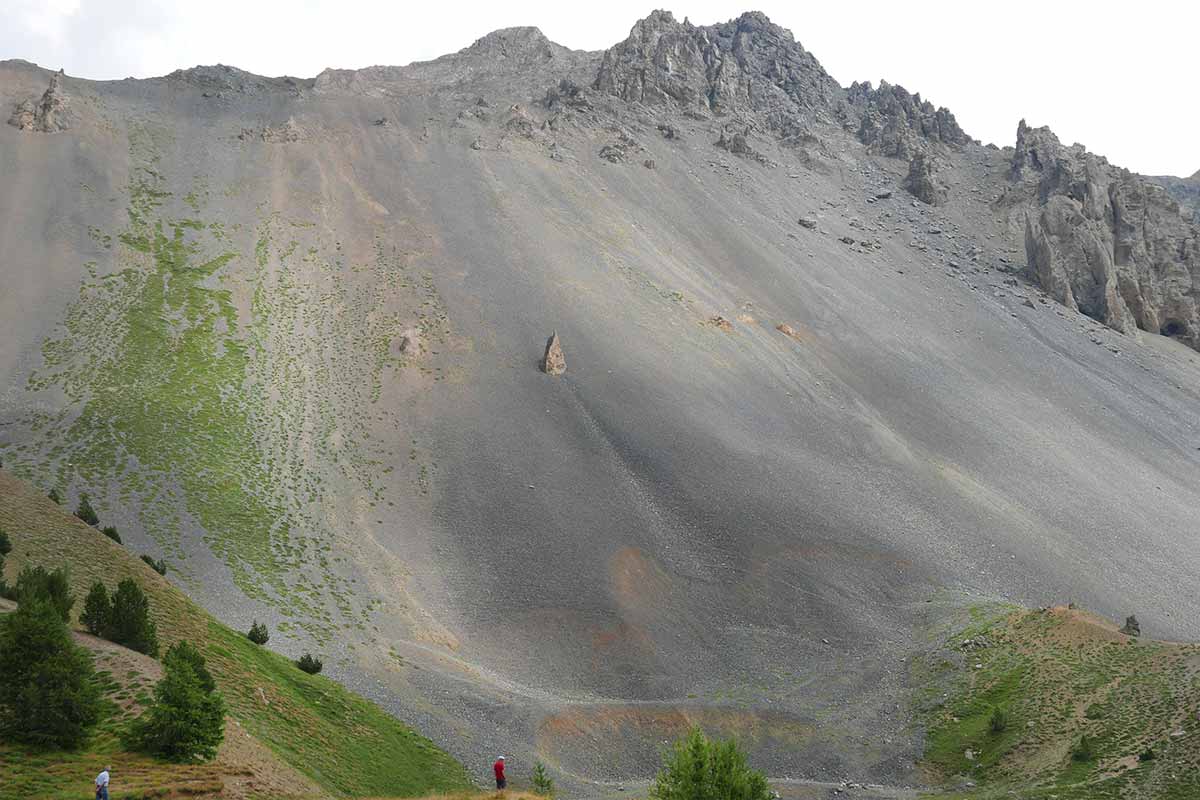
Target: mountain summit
838, 374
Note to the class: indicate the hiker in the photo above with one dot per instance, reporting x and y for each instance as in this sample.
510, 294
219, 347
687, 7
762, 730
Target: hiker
102, 784
498, 768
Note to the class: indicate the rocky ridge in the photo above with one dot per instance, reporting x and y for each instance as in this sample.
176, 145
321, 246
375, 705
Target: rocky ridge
1105, 241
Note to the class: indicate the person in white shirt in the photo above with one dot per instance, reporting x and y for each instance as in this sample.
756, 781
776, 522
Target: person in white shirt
102, 784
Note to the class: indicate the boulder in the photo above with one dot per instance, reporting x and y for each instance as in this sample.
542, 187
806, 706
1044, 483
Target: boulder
922, 182
554, 362
1132, 628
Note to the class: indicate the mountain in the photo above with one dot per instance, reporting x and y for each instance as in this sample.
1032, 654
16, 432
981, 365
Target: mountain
1185, 190
833, 370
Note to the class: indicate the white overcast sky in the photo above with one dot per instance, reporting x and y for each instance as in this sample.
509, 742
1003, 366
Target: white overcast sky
1118, 77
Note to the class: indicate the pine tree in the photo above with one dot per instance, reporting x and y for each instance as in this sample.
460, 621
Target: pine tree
310, 664
131, 623
97, 611
258, 633
186, 721
35, 583
699, 769
111, 533
85, 511
48, 696
543, 784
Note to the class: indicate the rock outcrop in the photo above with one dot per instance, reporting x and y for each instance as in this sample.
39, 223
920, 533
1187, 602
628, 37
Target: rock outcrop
554, 362
1106, 241
922, 181
1131, 628
747, 64
895, 123
50, 114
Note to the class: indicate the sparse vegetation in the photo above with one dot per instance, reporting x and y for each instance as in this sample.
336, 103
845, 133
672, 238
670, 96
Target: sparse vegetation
48, 696
1033, 704
55, 496
309, 663
111, 532
697, 768
345, 744
258, 633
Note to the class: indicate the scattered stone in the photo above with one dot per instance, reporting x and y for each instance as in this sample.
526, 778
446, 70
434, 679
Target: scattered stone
788, 330
648, 163
1132, 628
808, 222
722, 323
612, 153
410, 342
847, 240
554, 362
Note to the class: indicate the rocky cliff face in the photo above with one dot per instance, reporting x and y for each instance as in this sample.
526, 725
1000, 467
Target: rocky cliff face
1105, 241
746, 65
49, 114
1185, 190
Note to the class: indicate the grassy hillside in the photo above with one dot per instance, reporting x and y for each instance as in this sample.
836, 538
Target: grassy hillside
1060, 675
310, 725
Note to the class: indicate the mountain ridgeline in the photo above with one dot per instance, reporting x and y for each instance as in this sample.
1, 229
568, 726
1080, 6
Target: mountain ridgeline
825, 372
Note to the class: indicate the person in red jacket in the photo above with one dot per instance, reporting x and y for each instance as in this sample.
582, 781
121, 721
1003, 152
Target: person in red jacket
498, 768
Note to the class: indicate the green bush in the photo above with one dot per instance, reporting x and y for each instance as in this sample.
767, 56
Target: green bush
1085, 750
310, 664
1147, 755
85, 511
55, 496
186, 721
48, 696
158, 565
111, 533
258, 633
97, 611
543, 784
35, 583
999, 721
131, 624
696, 768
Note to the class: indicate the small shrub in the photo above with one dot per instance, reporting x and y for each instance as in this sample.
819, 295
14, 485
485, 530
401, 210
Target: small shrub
158, 565
258, 633
1147, 755
543, 784
48, 696
97, 611
1085, 750
310, 664
55, 496
85, 511
186, 720
999, 721
35, 583
131, 624
111, 533
696, 768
